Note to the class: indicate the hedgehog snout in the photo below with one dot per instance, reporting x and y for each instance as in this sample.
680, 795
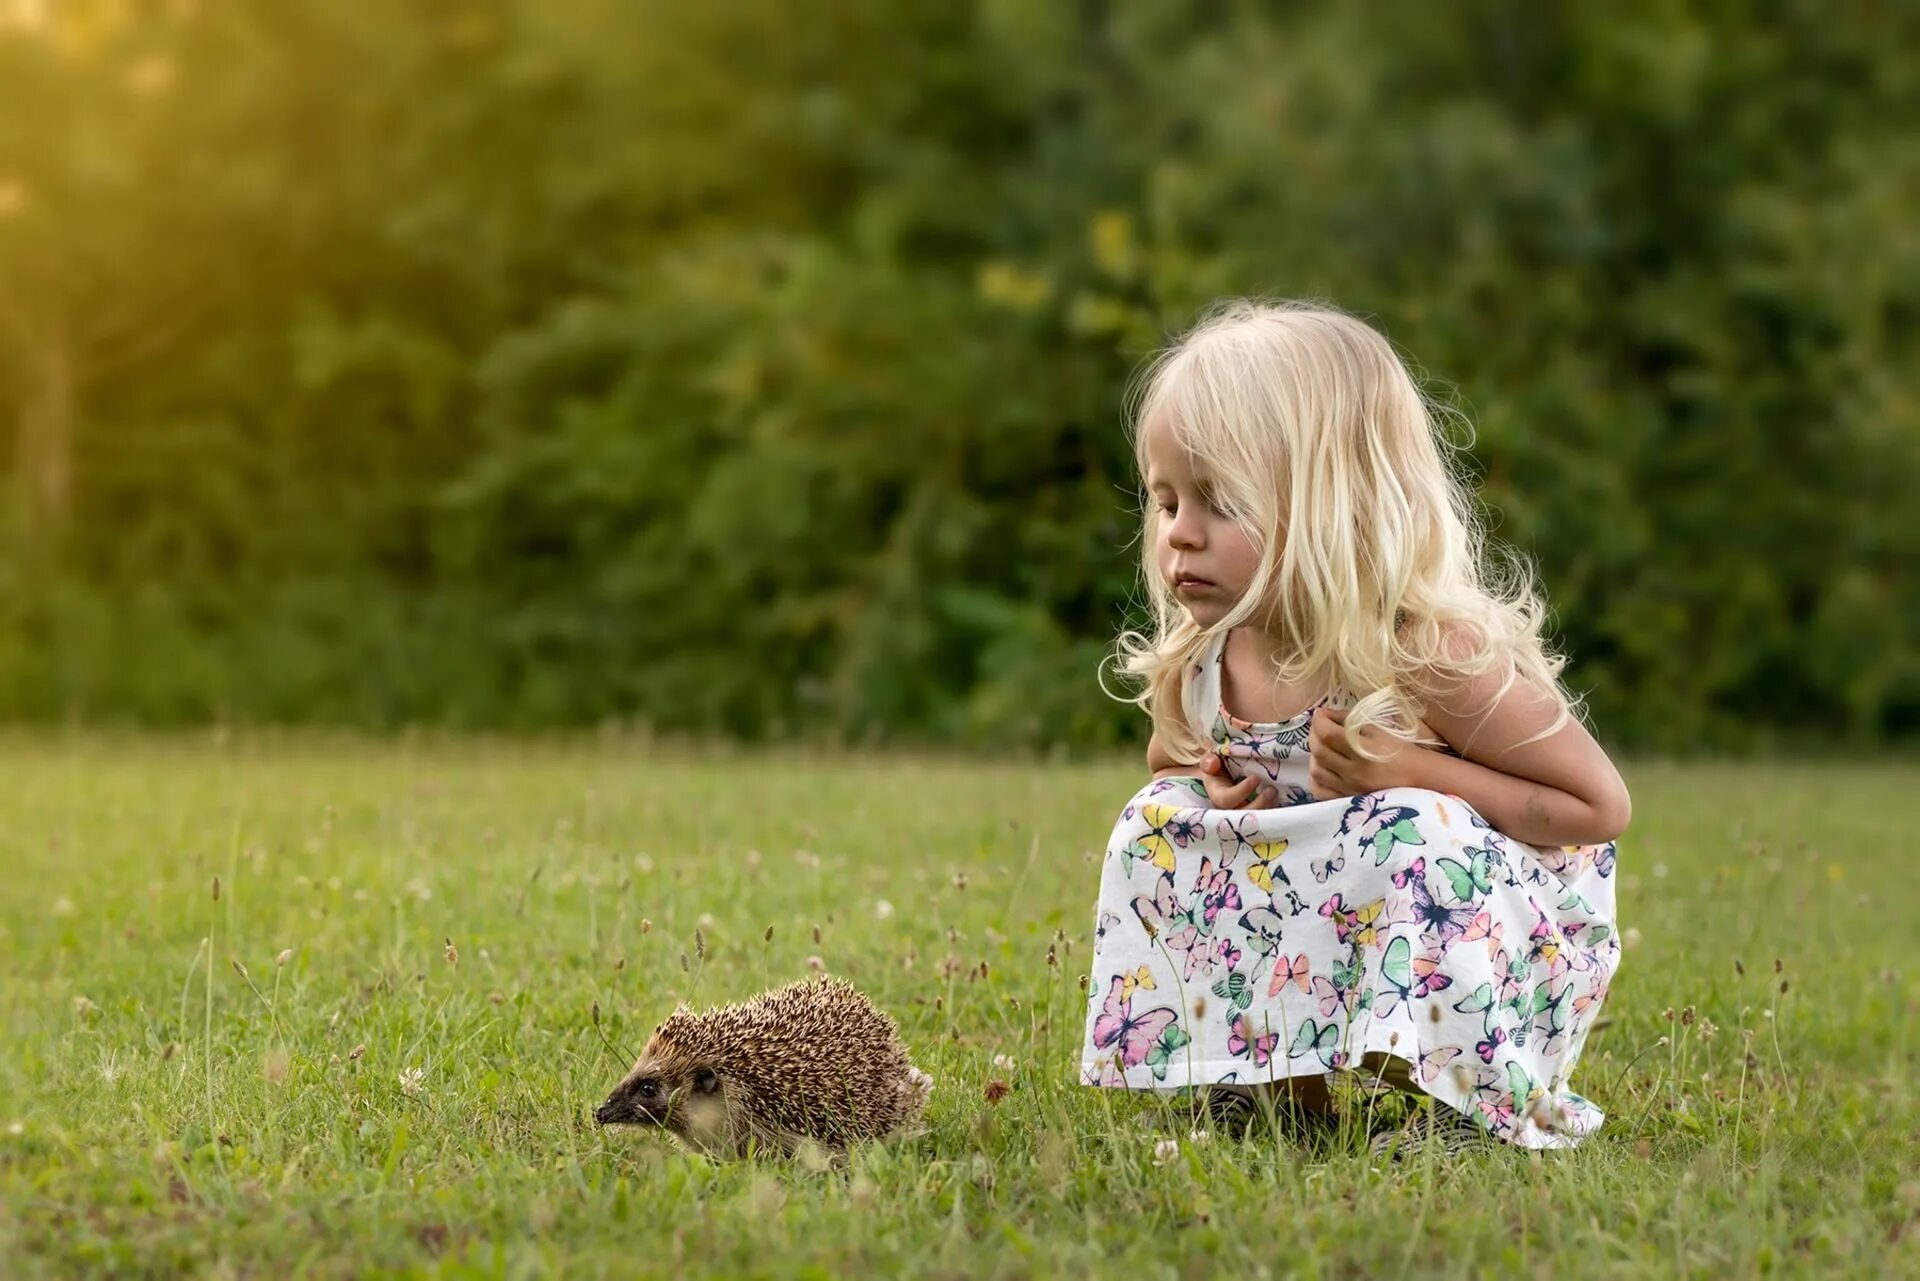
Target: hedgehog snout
634, 1102
617, 1110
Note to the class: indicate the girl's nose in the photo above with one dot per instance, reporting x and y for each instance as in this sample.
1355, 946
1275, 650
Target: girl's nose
1186, 532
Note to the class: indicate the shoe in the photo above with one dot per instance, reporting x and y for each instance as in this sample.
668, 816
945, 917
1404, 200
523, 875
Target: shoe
1453, 1131
1231, 1109
1234, 1109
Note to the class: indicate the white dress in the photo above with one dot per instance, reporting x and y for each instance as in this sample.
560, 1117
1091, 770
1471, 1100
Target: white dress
1243, 946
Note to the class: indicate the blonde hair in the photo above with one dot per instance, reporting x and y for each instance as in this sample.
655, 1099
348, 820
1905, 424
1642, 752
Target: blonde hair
1374, 575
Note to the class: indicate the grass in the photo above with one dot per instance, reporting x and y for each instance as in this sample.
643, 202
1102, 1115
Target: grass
372, 1050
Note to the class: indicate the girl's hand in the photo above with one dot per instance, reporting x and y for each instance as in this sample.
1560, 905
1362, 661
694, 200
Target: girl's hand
1225, 794
1334, 769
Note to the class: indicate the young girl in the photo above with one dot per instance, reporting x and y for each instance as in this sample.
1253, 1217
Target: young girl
1376, 834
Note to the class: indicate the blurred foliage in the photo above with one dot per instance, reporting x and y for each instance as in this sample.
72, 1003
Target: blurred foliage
757, 369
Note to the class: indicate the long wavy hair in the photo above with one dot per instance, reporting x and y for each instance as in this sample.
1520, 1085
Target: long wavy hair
1375, 575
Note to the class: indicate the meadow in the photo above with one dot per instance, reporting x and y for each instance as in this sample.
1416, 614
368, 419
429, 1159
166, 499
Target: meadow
344, 1008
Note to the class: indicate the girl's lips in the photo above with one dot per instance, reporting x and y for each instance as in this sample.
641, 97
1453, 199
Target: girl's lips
1191, 583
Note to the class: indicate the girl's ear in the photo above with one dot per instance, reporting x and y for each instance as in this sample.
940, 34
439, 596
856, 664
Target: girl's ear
705, 1081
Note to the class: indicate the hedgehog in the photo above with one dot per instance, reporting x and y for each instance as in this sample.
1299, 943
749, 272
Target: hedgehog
812, 1062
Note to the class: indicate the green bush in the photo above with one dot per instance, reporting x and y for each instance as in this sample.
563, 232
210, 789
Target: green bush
691, 366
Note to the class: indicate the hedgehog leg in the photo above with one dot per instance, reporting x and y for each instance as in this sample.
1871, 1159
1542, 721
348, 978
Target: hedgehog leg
763, 1139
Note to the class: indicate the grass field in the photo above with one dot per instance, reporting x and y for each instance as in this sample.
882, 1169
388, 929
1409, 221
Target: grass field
372, 1051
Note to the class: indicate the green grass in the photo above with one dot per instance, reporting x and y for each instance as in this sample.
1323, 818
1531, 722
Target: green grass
161, 1112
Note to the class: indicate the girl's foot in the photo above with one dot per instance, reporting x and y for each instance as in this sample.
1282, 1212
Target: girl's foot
1452, 1131
1232, 1110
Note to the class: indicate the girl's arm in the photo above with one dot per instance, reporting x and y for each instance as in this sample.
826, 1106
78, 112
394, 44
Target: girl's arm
1161, 763
1559, 789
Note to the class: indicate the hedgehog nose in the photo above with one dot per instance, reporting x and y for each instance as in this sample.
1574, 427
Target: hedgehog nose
606, 1113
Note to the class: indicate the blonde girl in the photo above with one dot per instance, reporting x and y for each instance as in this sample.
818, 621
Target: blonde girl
1377, 830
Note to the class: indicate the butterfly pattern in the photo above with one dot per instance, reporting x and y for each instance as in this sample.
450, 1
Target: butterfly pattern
1294, 970
1242, 1040
1259, 944
1132, 1037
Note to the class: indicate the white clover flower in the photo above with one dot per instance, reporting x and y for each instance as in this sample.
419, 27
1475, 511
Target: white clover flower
1004, 1062
1165, 1151
883, 909
411, 1081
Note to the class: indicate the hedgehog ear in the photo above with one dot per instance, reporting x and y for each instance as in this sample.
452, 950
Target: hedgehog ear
705, 1080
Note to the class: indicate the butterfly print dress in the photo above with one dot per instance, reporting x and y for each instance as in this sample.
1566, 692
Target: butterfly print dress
1244, 946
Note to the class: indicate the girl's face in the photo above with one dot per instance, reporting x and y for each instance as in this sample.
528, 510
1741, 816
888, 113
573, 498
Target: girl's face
1207, 558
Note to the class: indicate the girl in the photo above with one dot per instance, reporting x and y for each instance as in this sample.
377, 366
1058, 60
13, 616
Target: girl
1376, 833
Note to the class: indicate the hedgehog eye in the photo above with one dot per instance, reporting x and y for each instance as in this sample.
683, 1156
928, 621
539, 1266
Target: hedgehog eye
647, 1089
705, 1080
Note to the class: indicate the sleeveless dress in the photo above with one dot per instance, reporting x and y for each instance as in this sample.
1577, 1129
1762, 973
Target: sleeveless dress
1234, 947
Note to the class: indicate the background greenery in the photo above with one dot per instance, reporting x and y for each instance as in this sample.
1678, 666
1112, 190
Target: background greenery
757, 368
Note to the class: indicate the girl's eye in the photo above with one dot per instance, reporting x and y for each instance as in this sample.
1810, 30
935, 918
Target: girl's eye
1168, 509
